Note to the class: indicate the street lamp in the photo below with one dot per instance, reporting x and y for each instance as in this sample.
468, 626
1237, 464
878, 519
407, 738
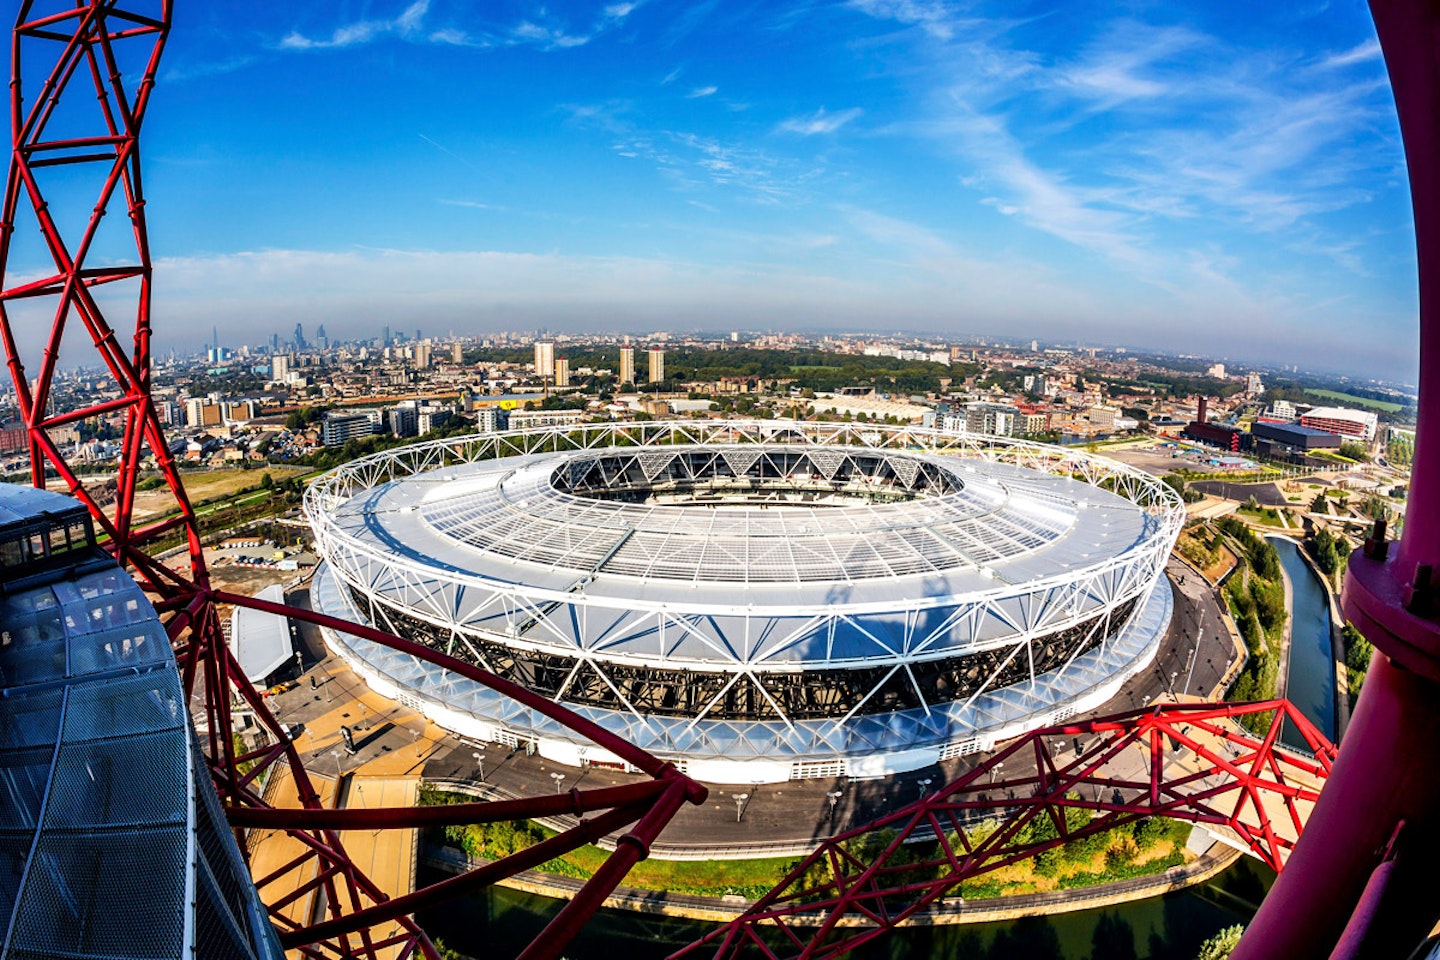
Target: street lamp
299, 664
740, 799
338, 769
993, 770
924, 785
479, 762
834, 797
416, 735
559, 779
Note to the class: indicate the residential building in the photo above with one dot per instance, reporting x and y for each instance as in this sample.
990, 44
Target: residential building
402, 420
421, 354
562, 372
337, 428
545, 358
429, 417
491, 419
200, 412
520, 419
994, 419
627, 364
280, 368
656, 373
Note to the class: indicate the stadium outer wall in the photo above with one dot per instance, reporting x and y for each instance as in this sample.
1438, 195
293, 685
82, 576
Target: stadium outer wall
409, 594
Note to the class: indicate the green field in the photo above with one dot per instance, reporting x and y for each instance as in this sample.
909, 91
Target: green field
1382, 405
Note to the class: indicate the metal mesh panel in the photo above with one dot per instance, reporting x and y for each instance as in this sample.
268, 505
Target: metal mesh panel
125, 706
216, 935
124, 646
14, 848
30, 720
23, 774
138, 779
228, 905
108, 895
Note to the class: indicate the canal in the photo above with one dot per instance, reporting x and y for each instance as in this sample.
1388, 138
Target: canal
1311, 679
500, 922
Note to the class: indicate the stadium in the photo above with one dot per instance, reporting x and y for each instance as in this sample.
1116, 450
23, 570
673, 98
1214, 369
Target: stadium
756, 601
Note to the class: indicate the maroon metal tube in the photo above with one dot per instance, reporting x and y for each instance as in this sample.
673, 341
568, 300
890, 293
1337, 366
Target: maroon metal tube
542, 705
588, 831
571, 803
629, 850
1385, 773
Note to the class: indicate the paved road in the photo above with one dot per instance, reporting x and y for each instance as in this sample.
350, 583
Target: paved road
772, 813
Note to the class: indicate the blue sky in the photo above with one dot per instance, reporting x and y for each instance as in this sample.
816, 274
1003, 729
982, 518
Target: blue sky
1222, 176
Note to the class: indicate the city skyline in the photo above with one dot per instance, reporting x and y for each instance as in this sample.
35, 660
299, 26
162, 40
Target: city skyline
1171, 178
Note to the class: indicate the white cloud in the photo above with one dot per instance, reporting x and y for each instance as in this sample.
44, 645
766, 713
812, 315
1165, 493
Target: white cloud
1128, 63
699, 92
1361, 53
363, 31
547, 37
820, 122
541, 31
936, 18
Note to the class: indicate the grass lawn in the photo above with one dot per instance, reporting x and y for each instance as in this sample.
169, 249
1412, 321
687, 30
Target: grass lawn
1137, 850
203, 485
1382, 405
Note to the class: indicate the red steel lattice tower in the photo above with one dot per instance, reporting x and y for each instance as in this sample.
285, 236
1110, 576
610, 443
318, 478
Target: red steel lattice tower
82, 75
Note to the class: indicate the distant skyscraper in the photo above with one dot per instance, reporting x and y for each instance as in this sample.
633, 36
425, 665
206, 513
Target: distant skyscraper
657, 364
321, 340
299, 337
562, 372
457, 353
421, 354
279, 368
215, 338
544, 358
274, 342
627, 364
1034, 346
385, 336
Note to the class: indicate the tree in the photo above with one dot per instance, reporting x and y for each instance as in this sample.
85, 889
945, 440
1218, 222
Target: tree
1220, 946
266, 482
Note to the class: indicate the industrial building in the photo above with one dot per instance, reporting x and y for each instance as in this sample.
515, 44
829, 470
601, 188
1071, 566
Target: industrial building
1295, 436
1359, 424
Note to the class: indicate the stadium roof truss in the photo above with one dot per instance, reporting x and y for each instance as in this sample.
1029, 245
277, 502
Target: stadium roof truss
510, 566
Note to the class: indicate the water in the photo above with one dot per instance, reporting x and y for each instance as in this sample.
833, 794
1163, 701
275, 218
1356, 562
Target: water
501, 922
1311, 684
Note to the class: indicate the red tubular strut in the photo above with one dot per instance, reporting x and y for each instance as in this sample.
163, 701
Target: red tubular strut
1241, 784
